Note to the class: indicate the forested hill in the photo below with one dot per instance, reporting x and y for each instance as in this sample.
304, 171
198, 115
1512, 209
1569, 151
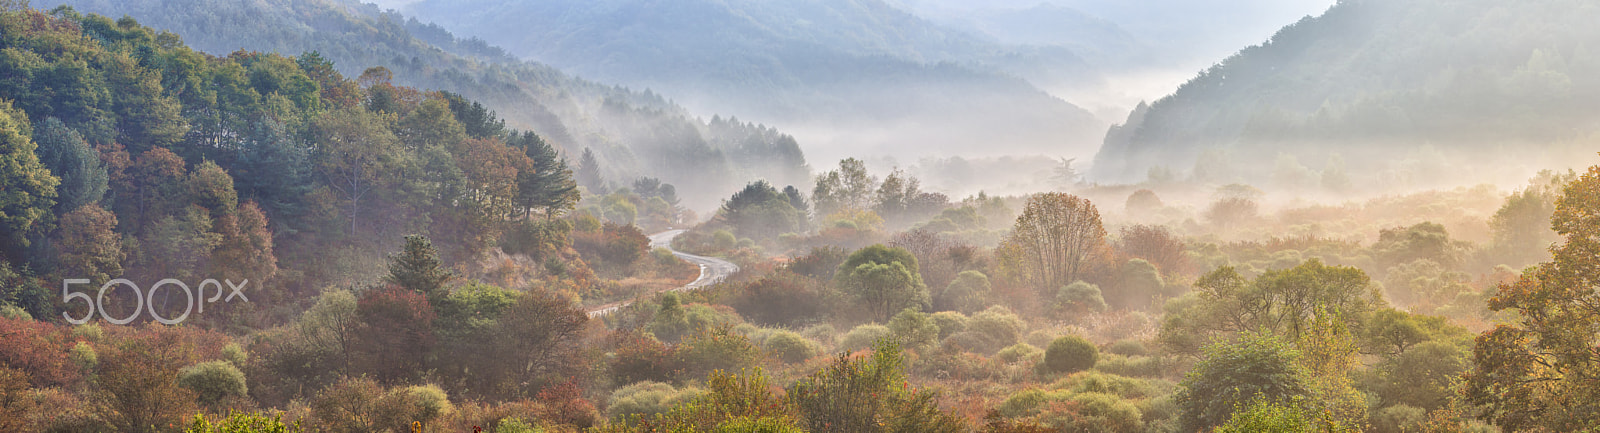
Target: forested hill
633, 133
896, 81
1400, 83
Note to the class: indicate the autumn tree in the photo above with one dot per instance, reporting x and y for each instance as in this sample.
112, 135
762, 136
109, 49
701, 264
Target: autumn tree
1538, 373
1054, 241
89, 245
1155, 244
396, 328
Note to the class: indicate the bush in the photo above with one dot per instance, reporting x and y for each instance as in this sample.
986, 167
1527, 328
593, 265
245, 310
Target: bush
84, 356
1128, 348
430, 402
717, 348
1017, 352
999, 324
1080, 298
242, 423
968, 292
231, 352
913, 329
647, 398
949, 322
613, 245
782, 299
1131, 366
1069, 354
212, 381
863, 337
1399, 418
790, 347
970, 341
1106, 383
823, 333
1093, 412
15, 313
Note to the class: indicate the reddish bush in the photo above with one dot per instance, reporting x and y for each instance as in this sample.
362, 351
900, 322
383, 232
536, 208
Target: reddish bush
615, 245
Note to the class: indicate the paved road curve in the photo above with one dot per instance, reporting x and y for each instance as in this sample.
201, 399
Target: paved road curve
712, 270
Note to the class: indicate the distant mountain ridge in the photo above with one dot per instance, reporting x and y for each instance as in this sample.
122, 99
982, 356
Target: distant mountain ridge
1397, 83
840, 65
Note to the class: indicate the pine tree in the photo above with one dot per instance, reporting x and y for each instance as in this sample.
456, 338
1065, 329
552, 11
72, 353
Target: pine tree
589, 173
68, 156
417, 268
549, 184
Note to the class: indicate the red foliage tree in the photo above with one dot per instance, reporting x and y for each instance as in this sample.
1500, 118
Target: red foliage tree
397, 333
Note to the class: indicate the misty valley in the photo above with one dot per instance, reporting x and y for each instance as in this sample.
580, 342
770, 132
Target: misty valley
784, 216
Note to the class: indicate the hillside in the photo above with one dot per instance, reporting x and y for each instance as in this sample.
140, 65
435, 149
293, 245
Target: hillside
1413, 87
903, 82
633, 133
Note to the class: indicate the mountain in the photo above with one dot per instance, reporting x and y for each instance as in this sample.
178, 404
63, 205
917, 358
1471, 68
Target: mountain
634, 133
847, 76
1393, 87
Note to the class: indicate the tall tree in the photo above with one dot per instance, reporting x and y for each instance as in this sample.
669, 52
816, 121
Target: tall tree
69, 157
1539, 372
417, 267
885, 280
589, 173
1054, 241
89, 245
548, 184
27, 189
356, 154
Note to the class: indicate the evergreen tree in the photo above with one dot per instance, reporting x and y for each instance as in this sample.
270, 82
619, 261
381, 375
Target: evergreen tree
589, 173
548, 185
417, 268
63, 151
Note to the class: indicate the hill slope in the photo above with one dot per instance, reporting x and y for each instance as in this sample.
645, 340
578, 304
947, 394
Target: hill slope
1388, 85
803, 65
634, 133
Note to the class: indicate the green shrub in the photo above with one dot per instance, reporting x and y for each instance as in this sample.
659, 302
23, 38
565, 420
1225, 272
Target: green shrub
243, 423
970, 341
1104, 383
1080, 298
999, 324
1128, 348
863, 337
1093, 412
88, 332
1017, 352
647, 398
1268, 416
823, 333
1131, 366
15, 313
967, 292
1069, 354
231, 352
1399, 418
949, 323
790, 347
913, 329
430, 401
84, 356
717, 348
213, 380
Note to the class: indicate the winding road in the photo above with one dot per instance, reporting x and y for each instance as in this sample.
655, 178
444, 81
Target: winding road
712, 270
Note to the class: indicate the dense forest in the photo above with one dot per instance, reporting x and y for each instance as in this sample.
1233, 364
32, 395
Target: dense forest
633, 134
411, 260
1402, 84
